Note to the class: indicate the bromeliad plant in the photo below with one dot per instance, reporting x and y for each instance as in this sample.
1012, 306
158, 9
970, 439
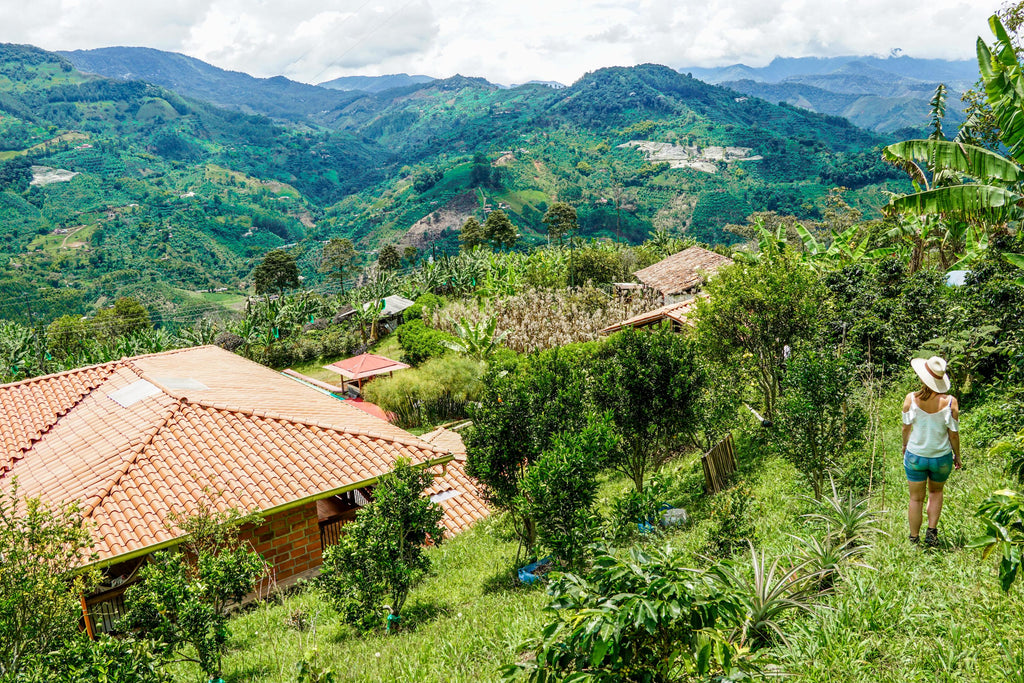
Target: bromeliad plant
1003, 514
847, 519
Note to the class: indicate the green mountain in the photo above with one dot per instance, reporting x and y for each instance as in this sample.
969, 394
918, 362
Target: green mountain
112, 187
276, 97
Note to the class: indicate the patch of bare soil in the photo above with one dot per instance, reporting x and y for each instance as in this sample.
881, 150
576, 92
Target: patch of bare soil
451, 216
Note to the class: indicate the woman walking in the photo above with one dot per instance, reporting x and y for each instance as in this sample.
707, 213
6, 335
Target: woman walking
931, 444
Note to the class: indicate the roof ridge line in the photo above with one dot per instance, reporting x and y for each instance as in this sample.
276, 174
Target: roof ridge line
415, 442
62, 373
113, 366
94, 501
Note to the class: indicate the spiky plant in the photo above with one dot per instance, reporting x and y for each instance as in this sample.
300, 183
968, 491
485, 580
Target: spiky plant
825, 559
767, 593
848, 519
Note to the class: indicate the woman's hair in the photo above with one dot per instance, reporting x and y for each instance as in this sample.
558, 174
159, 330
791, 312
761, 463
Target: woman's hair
924, 393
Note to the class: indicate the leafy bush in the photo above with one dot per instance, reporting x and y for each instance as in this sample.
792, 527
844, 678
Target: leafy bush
183, 597
39, 593
425, 305
645, 617
559, 490
1003, 515
1012, 449
439, 390
819, 418
754, 312
524, 405
729, 510
105, 660
381, 555
420, 343
649, 382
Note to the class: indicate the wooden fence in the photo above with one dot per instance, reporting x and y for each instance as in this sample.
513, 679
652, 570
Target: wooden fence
718, 464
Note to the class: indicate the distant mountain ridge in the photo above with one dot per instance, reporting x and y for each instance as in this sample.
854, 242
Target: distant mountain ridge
375, 84
957, 73
881, 94
278, 97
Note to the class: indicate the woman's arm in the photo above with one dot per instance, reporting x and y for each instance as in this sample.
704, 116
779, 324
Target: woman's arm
954, 437
906, 428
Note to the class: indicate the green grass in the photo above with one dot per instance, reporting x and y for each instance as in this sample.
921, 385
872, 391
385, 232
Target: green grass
461, 624
916, 615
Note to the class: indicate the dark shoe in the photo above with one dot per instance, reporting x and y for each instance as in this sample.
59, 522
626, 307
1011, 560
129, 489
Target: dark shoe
931, 538
915, 539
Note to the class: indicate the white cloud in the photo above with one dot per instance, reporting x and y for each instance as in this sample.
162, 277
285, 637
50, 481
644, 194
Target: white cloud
314, 40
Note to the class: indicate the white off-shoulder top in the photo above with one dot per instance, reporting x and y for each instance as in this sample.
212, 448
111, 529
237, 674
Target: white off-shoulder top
930, 435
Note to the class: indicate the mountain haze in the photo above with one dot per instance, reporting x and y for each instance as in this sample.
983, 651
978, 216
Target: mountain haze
879, 94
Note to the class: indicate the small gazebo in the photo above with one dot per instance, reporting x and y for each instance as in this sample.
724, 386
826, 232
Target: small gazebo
364, 366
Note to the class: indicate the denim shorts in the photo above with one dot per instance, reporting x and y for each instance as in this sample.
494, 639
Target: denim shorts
920, 469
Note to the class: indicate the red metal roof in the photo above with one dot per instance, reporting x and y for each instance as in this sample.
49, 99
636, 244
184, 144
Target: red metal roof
365, 365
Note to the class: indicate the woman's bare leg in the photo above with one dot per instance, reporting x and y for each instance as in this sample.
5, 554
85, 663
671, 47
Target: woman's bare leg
934, 503
917, 493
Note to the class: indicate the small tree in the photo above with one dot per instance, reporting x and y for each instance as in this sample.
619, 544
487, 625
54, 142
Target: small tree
560, 488
410, 255
126, 317
183, 598
499, 229
755, 311
561, 220
41, 547
649, 382
522, 408
381, 556
818, 418
338, 259
472, 234
389, 258
276, 272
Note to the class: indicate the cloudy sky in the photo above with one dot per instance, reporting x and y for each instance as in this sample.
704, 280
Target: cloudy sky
506, 41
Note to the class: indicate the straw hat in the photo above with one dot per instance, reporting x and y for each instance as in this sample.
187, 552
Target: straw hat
932, 372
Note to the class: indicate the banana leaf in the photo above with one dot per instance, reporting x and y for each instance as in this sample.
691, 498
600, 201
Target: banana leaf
965, 159
966, 202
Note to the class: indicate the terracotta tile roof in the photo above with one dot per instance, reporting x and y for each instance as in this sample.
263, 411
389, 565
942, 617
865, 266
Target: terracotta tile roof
365, 365
455, 490
681, 271
447, 440
678, 312
231, 433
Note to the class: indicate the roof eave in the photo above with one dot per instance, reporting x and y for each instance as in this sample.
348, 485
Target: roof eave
131, 555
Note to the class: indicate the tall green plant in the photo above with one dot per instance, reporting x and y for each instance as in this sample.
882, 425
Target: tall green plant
560, 489
381, 556
41, 547
183, 598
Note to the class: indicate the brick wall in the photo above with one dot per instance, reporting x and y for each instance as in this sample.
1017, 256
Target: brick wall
288, 540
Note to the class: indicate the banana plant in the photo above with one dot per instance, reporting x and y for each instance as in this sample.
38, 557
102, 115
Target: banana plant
970, 183
478, 341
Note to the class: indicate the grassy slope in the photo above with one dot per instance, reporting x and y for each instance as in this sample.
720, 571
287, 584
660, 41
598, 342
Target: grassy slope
919, 615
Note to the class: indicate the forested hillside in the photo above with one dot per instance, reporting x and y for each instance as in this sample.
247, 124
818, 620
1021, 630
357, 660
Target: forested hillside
115, 187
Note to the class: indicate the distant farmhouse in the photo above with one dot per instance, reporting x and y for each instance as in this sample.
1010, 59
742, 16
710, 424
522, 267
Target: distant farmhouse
141, 439
677, 277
